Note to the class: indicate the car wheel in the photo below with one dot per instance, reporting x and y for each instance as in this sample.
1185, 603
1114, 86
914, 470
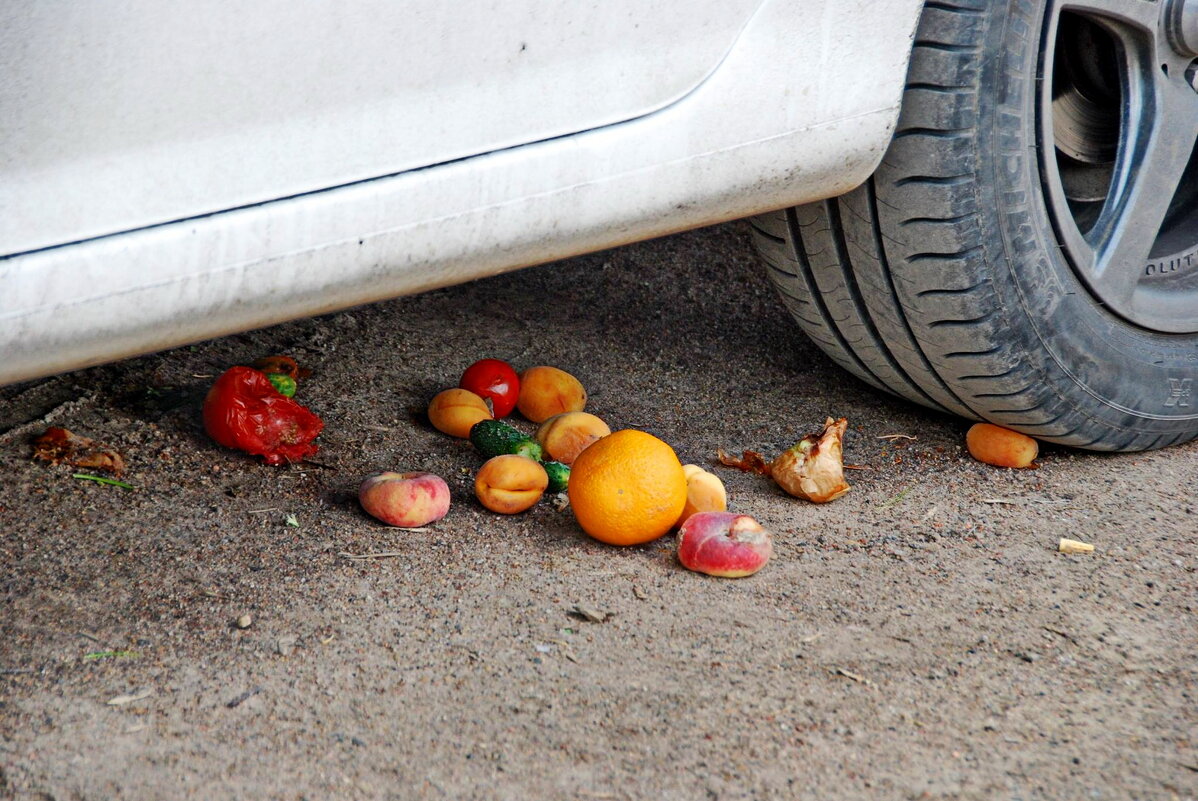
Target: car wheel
1027, 251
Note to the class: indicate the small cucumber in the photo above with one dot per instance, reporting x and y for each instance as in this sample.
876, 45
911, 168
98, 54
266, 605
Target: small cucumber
559, 476
496, 438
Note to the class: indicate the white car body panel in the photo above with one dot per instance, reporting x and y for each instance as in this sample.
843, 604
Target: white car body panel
801, 108
119, 115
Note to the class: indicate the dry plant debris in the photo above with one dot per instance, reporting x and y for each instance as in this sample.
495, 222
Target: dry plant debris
59, 445
812, 468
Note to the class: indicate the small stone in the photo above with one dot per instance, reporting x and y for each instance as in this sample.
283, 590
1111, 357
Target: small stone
244, 621
285, 645
588, 612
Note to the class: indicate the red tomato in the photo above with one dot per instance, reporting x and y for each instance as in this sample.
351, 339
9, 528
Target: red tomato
494, 379
243, 410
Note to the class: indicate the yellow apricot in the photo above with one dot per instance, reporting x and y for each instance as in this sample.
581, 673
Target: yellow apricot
704, 493
454, 411
1000, 446
564, 436
546, 391
509, 483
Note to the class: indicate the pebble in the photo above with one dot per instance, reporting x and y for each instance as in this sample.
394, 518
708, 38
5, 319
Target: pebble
244, 621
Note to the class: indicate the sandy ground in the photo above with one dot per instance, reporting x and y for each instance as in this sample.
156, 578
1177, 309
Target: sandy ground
919, 638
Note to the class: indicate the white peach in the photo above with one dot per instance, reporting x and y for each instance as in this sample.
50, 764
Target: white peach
408, 500
724, 544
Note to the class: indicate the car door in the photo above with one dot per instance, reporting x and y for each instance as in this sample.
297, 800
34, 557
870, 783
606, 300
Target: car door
119, 116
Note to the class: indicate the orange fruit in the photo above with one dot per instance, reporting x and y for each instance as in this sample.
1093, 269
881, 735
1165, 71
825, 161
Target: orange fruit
627, 488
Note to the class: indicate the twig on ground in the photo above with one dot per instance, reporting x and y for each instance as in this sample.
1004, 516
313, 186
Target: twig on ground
245, 696
121, 700
848, 674
367, 556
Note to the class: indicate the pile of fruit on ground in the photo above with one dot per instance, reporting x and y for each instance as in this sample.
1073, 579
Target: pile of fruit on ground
624, 488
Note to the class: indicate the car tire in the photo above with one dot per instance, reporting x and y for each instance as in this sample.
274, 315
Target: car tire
970, 272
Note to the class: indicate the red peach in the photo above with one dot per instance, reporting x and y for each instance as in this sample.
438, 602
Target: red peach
408, 500
724, 544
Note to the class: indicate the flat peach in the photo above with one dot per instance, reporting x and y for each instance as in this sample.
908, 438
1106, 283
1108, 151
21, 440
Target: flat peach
564, 436
546, 391
409, 500
509, 484
1000, 446
454, 411
704, 493
724, 544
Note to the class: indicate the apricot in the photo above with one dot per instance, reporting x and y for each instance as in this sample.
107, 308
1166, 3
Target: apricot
408, 500
704, 493
1000, 446
455, 411
564, 436
724, 544
546, 391
509, 483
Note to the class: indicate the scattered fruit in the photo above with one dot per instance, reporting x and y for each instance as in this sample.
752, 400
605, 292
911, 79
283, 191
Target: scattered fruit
60, 445
559, 475
704, 493
627, 488
1074, 546
455, 411
509, 483
243, 410
407, 500
813, 468
1000, 446
495, 438
495, 381
566, 435
546, 391
724, 544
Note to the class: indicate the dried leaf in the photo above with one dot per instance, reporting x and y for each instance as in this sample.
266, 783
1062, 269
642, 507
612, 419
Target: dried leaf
58, 445
750, 462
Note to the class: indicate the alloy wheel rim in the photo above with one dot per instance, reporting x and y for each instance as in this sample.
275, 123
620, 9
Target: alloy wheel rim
1118, 127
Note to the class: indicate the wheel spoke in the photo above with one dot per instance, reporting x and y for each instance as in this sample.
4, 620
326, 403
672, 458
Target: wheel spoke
1143, 14
1159, 129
